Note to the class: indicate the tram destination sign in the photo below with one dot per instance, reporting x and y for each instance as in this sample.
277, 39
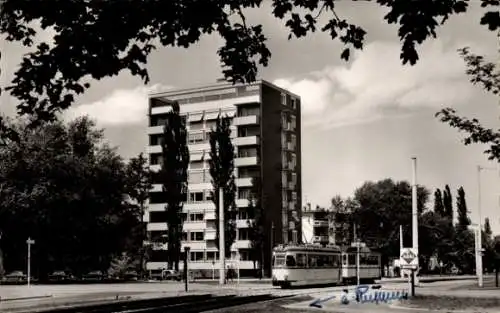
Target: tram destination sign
409, 258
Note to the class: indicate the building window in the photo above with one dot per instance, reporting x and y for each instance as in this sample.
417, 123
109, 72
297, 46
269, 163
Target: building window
196, 217
158, 217
195, 196
196, 236
196, 256
243, 234
294, 122
208, 193
157, 197
283, 98
246, 152
196, 138
244, 193
249, 111
155, 159
196, 165
245, 255
212, 255
198, 125
243, 214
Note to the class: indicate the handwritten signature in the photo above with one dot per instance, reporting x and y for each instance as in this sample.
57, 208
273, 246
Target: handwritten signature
362, 295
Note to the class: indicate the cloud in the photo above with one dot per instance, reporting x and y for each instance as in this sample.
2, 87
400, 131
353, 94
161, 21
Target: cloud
375, 85
121, 107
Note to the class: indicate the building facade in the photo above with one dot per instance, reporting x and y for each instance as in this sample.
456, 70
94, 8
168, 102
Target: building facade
326, 226
266, 137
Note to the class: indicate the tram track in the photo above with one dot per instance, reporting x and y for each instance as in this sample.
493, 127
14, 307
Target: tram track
184, 304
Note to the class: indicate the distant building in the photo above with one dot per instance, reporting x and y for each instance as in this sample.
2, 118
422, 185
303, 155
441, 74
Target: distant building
325, 226
266, 136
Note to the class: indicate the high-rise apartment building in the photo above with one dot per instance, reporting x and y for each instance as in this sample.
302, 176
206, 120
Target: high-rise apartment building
266, 136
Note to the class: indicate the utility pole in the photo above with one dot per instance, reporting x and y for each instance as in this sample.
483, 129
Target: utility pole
357, 253
222, 247
479, 246
414, 202
272, 246
29, 242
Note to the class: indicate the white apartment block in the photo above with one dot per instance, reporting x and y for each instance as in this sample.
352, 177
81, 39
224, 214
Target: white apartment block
266, 136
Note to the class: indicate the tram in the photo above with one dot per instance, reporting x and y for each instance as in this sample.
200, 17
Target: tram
306, 265
370, 268
301, 265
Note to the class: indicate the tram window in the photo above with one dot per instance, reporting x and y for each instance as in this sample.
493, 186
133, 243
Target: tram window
280, 261
352, 259
312, 260
290, 260
363, 259
322, 260
335, 261
344, 259
301, 260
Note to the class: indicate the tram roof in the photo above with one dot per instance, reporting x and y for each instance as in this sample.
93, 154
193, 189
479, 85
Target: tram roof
309, 248
361, 250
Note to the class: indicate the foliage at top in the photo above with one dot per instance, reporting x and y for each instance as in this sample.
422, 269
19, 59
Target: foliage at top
97, 39
486, 75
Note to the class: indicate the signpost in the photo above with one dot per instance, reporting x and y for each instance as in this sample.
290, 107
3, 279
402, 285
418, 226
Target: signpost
29, 242
408, 259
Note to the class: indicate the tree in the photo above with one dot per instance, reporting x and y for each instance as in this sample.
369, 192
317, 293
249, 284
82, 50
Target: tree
84, 46
257, 225
139, 178
438, 203
487, 228
382, 207
487, 75
60, 185
222, 172
463, 218
174, 177
448, 203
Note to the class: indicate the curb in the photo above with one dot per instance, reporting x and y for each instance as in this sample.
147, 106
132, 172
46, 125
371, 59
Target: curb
399, 307
24, 298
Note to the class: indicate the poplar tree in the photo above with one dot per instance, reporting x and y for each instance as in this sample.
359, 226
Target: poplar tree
222, 172
463, 219
438, 202
448, 203
174, 178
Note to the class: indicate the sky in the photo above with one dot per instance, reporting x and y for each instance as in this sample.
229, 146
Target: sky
363, 120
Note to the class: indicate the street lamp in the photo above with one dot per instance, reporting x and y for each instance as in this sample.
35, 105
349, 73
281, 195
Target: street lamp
29, 242
479, 235
186, 259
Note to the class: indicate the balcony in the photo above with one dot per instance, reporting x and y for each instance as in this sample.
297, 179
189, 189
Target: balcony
156, 226
291, 185
246, 141
320, 223
156, 207
242, 203
194, 226
155, 167
198, 206
210, 216
210, 234
242, 223
244, 182
242, 244
153, 149
246, 161
246, 120
157, 188
320, 239
194, 245
153, 130
291, 206
290, 146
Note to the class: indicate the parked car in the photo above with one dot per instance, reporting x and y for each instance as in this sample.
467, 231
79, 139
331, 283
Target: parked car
94, 276
61, 277
131, 275
14, 278
171, 275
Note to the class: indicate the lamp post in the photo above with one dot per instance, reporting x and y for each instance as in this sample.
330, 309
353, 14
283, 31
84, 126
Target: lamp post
186, 260
29, 242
